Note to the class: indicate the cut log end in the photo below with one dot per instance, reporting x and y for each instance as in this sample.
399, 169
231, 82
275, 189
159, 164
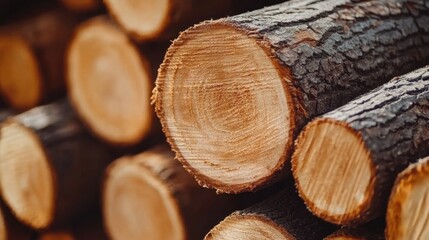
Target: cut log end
214, 111
408, 206
329, 163
109, 83
132, 194
247, 227
20, 149
20, 79
144, 19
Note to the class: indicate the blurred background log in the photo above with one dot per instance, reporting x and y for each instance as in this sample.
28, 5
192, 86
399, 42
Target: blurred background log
10, 228
51, 167
32, 57
151, 196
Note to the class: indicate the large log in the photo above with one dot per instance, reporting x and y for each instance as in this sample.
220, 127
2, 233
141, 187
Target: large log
282, 216
408, 209
346, 161
151, 196
232, 94
51, 167
32, 57
147, 20
110, 83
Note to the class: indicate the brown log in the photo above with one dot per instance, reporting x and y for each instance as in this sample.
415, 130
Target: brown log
51, 167
151, 196
10, 228
346, 161
82, 5
408, 208
110, 83
282, 216
232, 94
163, 19
57, 235
32, 57
370, 231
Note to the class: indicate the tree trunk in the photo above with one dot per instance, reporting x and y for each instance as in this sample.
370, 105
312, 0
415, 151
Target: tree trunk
242, 87
282, 216
36, 44
346, 161
163, 20
151, 196
408, 208
51, 167
110, 83
11, 229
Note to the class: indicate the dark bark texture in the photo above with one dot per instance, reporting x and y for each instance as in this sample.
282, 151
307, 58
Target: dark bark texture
200, 208
393, 121
77, 159
287, 211
371, 231
335, 50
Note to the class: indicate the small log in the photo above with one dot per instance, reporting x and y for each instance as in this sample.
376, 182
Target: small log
51, 167
408, 208
151, 196
82, 5
232, 94
346, 161
110, 83
282, 216
35, 44
146, 20
10, 228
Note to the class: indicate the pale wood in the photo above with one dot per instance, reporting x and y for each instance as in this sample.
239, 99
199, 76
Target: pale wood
110, 83
51, 167
408, 209
345, 161
151, 196
233, 93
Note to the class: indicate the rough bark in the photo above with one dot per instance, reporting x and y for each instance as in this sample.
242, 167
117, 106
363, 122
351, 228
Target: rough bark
286, 212
46, 33
328, 53
76, 160
392, 121
199, 209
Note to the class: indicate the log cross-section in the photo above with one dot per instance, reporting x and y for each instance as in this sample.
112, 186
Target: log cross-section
346, 161
233, 93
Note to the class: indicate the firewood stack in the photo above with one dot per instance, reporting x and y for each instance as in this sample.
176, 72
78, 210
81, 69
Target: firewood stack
263, 119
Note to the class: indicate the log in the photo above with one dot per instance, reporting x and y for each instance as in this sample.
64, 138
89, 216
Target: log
165, 19
57, 235
151, 196
10, 228
407, 211
82, 5
370, 231
36, 44
110, 83
282, 216
346, 161
232, 94
51, 167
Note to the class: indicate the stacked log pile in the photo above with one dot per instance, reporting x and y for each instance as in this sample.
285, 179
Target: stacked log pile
263, 119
